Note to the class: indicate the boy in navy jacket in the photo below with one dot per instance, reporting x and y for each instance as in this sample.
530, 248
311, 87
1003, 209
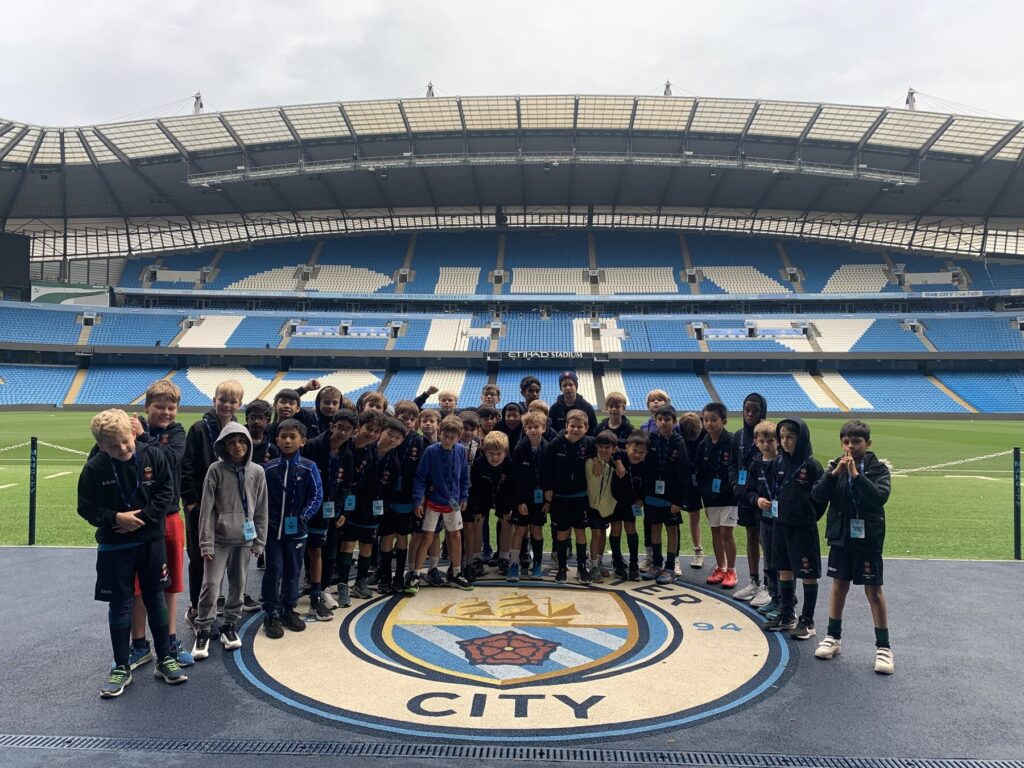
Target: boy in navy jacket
294, 495
744, 451
713, 458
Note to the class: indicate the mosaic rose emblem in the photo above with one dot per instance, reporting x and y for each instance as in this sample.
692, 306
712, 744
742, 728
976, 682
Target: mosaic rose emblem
507, 648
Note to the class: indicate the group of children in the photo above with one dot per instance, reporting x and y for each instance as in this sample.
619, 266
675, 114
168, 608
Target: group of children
370, 487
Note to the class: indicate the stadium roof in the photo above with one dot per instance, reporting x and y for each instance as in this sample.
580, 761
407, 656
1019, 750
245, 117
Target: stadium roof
524, 153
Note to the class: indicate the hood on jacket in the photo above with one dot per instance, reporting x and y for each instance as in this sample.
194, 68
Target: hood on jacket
232, 428
507, 406
803, 439
756, 397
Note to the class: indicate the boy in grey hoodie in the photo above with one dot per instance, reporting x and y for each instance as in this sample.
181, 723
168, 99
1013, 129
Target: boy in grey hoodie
232, 523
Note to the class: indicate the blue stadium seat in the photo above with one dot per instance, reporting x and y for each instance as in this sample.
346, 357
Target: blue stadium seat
901, 393
35, 384
686, 390
135, 329
628, 249
966, 334
886, 335
25, 325
991, 392
116, 384
256, 331
238, 265
780, 390
435, 250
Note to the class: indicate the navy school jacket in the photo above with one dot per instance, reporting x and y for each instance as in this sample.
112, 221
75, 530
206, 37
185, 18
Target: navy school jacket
563, 468
293, 491
527, 467
862, 498
713, 464
795, 477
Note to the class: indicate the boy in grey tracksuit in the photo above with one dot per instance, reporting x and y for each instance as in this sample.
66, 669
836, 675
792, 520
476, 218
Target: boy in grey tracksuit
232, 523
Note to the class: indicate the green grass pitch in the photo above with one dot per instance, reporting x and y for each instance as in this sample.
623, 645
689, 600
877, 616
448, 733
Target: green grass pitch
963, 511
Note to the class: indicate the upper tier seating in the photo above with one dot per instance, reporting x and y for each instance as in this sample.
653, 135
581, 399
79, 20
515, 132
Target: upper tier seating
24, 325
630, 249
263, 268
529, 333
969, 334
35, 384
135, 329
829, 268
453, 264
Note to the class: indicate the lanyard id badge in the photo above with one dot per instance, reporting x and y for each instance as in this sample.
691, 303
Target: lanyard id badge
329, 509
659, 487
378, 507
857, 528
453, 503
248, 530
716, 485
743, 477
291, 525
350, 502
773, 510
538, 496
638, 510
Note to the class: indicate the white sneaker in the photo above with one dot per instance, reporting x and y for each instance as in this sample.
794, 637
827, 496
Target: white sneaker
829, 648
328, 600
762, 598
697, 561
883, 661
747, 592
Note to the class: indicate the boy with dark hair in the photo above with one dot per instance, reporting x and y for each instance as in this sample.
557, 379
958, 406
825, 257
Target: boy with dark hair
125, 492
488, 416
796, 550
511, 424
713, 457
288, 405
571, 400
490, 395
327, 403
232, 524
564, 480
470, 430
328, 451
629, 493
529, 389
491, 492
397, 523
294, 495
760, 492
666, 472
530, 513
373, 401
257, 417
744, 451
600, 473
615, 407
856, 487
375, 469
430, 425
442, 487
199, 455
692, 429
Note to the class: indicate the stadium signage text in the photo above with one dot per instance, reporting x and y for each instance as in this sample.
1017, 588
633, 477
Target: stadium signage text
544, 355
533, 661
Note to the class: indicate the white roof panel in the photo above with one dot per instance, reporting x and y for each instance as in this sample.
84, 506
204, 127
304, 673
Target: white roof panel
10, 135
781, 118
490, 113
99, 149
903, 128
259, 126
547, 111
49, 150
22, 151
1012, 149
972, 135
838, 122
138, 140
199, 133
74, 152
317, 121
662, 113
432, 115
727, 116
371, 118
604, 112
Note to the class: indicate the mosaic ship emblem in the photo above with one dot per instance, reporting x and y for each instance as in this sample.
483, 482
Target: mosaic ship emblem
516, 609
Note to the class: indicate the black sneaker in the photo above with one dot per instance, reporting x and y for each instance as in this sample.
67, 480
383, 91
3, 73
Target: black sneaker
562, 576
437, 579
619, 569
249, 605
633, 574
190, 617
373, 577
583, 576
319, 608
780, 623
503, 566
477, 567
220, 605
384, 586
525, 561
119, 679
272, 627
412, 583
293, 622
460, 581
201, 648
229, 638
804, 629
170, 671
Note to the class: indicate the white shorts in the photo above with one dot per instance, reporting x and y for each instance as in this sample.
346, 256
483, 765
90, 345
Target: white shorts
722, 517
452, 520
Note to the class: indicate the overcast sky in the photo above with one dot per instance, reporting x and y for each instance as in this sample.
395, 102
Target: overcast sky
91, 61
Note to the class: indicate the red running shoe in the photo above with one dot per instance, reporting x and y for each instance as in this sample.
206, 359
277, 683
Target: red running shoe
716, 577
729, 580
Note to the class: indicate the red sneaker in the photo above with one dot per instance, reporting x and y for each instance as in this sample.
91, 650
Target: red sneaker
729, 580
716, 577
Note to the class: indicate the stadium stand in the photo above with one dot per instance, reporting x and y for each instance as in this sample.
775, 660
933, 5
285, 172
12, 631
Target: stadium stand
271, 267
254, 332
784, 392
453, 264
888, 336
117, 385
529, 258
35, 384
529, 333
736, 265
25, 325
974, 333
628, 249
686, 390
901, 393
828, 268
211, 331
135, 329
467, 384
995, 392
359, 264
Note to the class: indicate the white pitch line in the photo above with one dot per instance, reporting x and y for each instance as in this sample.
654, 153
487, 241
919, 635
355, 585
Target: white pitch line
59, 474
9, 485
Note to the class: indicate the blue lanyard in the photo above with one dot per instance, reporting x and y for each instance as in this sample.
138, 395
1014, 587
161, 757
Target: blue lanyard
789, 475
292, 493
718, 453
853, 496
768, 471
632, 481
128, 499
452, 475
662, 449
333, 464
536, 459
210, 436
240, 477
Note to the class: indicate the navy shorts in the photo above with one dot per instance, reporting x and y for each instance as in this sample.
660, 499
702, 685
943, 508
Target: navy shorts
534, 516
660, 515
767, 535
117, 569
597, 523
749, 517
854, 565
797, 548
569, 513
